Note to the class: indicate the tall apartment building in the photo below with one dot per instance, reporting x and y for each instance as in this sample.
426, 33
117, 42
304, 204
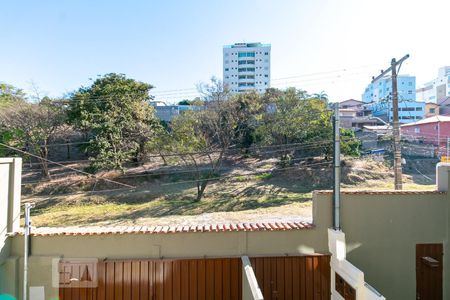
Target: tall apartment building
382, 89
246, 66
378, 95
436, 90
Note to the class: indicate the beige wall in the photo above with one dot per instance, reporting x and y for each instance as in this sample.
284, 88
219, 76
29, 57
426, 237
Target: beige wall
382, 231
10, 179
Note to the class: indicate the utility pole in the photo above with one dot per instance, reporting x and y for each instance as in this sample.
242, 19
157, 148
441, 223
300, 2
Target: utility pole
337, 169
26, 250
394, 69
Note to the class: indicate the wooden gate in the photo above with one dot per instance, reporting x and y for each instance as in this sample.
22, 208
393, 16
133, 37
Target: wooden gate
300, 277
163, 279
429, 271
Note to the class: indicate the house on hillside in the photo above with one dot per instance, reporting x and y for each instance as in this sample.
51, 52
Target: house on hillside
431, 109
444, 106
168, 112
434, 130
360, 107
353, 119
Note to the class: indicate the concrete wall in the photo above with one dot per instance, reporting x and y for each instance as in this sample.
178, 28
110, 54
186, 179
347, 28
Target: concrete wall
382, 230
10, 180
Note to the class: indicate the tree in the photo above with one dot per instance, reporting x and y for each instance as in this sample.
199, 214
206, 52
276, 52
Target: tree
196, 102
161, 143
10, 95
214, 91
185, 102
248, 108
350, 145
321, 96
33, 127
115, 115
200, 139
294, 118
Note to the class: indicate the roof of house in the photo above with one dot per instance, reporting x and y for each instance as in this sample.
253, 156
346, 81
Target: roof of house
433, 119
229, 227
347, 110
351, 100
377, 127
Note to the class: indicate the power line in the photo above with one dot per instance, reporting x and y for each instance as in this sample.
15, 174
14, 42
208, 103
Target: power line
70, 168
246, 174
257, 149
307, 147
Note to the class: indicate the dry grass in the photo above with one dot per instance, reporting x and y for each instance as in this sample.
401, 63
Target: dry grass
244, 198
240, 199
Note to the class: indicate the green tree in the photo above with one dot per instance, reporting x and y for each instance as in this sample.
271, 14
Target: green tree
293, 117
161, 143
248, 108
10, 95
185, 102
350, 145
196, 102
115, 115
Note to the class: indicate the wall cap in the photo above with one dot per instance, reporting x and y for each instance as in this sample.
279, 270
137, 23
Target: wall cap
212, 228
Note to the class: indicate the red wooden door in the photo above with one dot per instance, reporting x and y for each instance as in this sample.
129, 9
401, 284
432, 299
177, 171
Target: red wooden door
429, 271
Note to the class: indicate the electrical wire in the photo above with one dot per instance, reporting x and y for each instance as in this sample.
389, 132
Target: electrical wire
61, 165
246, 174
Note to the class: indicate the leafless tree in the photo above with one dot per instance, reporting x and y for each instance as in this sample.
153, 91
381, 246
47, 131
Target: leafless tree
34, 127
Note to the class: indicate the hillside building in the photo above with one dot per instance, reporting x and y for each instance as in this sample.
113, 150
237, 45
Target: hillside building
378, 96
437, 89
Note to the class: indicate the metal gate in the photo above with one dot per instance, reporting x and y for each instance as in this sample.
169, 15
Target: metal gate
299, 277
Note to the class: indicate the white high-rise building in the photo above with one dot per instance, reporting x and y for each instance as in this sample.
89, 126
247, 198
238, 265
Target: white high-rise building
246, 66
437, 90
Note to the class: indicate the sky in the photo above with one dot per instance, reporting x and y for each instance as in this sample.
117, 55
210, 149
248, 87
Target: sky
334, 46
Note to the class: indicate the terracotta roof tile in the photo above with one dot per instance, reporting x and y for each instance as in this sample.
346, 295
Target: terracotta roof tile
386, 192
228, 227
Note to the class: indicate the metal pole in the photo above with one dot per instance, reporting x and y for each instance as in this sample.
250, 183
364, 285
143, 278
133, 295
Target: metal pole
337, 170
26, 251
396, 129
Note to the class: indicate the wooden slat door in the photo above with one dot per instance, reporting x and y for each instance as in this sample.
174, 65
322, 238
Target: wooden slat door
218, 278
429, 265
293, 277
